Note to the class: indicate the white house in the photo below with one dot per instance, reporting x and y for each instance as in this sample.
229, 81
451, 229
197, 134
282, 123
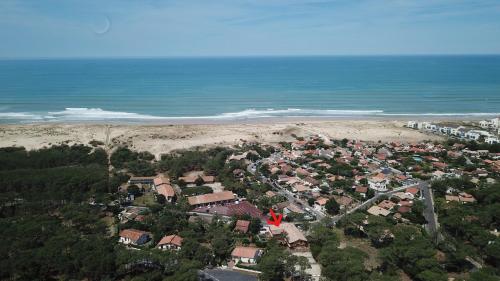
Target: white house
484, 124
491, 140
493, 123
473, 135
427, 126
460, 131
246, 254
378, 182
412, 124
445, 130
134, 237
320, 203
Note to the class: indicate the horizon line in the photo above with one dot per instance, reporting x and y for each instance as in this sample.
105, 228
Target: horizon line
247, 56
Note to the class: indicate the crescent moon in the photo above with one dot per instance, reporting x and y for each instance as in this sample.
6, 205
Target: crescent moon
105, 29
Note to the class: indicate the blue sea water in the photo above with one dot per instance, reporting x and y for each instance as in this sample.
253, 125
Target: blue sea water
48, 90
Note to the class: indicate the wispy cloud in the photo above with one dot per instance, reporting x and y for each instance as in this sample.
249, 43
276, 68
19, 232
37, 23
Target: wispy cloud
232, 27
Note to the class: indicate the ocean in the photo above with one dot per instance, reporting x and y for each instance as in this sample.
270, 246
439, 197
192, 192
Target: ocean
163, 89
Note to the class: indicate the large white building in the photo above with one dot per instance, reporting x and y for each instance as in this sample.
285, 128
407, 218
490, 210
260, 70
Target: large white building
490, 124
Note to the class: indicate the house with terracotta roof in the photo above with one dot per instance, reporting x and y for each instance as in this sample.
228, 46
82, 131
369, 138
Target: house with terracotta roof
466, 198
439, 165
378, 211
160, 179
311, 181
270, 194
134, 237
378, 182
227, 210
285, 168
386, 204
163, 187
192, 177
300, 188
299, 144
241, 226
451, 198
403, 195
412, 190
320, 203
302, 172
246, 254
438, 174
362, 190
170, 242
292, 208
343, 201
211, 199
404, 209
293, 237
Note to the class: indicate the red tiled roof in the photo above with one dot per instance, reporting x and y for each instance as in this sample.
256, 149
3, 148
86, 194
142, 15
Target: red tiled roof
242, 226
159, 180
386, 204
302, 172
132, 234
232, 209
404, 209
301, 188
269, 193
321, 201
378, 178
361, 189
439, 165
211, 198
412, 190
166, 190
245, 252
171, 239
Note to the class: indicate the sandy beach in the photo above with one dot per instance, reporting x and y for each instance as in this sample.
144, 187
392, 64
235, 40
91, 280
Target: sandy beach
160, 139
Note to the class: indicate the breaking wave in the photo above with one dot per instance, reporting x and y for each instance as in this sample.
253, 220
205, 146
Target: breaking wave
98, 114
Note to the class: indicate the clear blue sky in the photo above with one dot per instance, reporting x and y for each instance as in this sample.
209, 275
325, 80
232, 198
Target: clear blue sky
117, 28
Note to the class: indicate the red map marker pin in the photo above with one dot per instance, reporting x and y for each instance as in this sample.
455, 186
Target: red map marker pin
276, 220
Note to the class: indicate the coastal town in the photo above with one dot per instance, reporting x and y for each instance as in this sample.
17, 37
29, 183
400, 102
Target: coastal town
341, 203
262, 140
313, 180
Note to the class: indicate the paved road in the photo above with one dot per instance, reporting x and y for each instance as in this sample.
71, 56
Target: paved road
371, 201
429, 213
289, 195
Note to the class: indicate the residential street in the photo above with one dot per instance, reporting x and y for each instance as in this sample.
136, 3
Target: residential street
429, 214
370, 201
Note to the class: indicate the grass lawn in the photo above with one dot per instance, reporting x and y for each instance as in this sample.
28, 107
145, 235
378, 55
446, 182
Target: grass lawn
147, 198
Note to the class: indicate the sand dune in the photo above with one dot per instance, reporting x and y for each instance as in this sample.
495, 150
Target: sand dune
160, 139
